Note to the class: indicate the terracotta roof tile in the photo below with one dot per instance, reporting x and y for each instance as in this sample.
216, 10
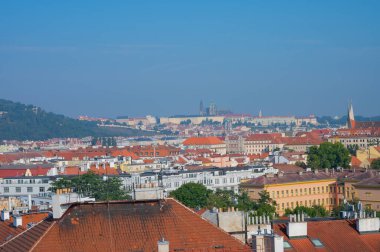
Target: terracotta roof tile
212, 140
127, 226
335, 235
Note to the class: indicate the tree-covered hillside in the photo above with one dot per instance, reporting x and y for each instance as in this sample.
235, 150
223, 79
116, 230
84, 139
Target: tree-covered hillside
27, 122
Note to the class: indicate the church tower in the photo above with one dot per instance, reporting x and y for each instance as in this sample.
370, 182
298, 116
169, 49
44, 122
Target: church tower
350, 117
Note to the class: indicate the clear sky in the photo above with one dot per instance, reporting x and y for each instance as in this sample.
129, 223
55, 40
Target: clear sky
109, 58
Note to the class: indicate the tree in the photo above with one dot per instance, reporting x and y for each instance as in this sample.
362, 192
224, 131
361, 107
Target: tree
375, 164
301, 164
352, 148
221, 199
266, 205
328, 155
314, 211
192, 195
93, 185
245, 203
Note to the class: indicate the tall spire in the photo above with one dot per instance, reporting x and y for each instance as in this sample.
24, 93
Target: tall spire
350, 117
201, 109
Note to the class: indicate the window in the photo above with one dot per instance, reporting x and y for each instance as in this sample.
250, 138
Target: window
29, 189
316, 242
42, 189
287, 245
18, 189
6, 189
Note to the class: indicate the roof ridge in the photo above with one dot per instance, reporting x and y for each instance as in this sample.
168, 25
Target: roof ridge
26, 230
220, 229
42, 236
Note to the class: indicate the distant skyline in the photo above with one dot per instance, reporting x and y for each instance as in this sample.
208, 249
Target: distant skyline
108, 59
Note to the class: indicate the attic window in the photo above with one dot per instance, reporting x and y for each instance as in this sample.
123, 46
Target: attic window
287, 245
317, 243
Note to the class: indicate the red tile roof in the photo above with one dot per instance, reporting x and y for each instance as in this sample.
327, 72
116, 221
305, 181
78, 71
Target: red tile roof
355, 161
335, 235
212, 140
286, 168
127, 226
8, 231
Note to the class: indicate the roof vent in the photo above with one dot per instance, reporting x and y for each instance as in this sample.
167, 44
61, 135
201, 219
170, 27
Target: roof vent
4, 215
163, 246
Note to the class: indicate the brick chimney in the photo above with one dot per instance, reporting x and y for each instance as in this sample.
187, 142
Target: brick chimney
297, 226
4, 215
163, 246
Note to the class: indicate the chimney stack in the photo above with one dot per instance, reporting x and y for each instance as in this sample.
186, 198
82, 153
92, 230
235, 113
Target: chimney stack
297, 227
163, 246
4, 215
17, 220
368, 224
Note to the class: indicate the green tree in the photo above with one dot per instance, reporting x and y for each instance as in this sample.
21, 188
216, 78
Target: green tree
375, 164
266, 205
352, 148
192, 195
301, 164
328, 155
221, 199
93, 185
245, 203
314, 211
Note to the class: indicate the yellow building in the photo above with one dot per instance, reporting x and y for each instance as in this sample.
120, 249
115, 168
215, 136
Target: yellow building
296, 189
366, 155
326, 188
368, 191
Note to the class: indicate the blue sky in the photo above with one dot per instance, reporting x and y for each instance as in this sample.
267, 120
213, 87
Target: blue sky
109, 58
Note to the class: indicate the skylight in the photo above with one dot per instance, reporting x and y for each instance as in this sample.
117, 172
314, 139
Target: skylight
317, 242
287, 245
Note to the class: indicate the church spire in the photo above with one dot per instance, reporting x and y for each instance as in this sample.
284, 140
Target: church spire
350, 117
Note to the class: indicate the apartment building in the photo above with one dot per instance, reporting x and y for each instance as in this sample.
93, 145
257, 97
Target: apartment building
296, 189
213, 178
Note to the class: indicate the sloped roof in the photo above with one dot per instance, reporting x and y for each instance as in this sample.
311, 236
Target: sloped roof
128, 226
335, 235
288, 168
8, 231
211, 140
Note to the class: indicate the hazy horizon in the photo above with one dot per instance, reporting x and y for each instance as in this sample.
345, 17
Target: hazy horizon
163, 57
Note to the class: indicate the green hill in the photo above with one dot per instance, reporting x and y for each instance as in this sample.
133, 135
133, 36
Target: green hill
27, 122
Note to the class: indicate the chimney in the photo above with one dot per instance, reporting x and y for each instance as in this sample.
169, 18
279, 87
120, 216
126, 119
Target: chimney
163, 246
17, 220
4, 215
297, 226
368, 224
267, 242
